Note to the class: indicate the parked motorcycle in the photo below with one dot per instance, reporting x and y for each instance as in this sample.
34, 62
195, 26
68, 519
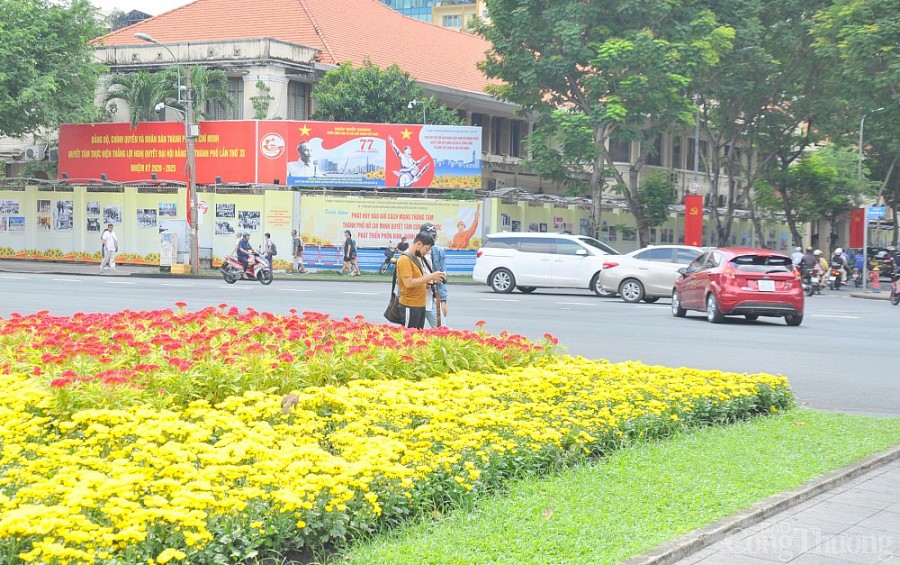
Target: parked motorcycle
390, 260
258, 269
834, 278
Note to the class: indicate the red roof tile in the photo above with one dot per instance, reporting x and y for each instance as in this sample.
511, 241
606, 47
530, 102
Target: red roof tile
345, 30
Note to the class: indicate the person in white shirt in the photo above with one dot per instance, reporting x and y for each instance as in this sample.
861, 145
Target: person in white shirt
110, 247
304, 166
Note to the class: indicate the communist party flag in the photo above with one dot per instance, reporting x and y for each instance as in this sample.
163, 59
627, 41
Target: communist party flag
693, 219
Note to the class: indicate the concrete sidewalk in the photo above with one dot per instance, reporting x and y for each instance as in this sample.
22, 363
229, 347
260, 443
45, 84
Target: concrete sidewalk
72, 268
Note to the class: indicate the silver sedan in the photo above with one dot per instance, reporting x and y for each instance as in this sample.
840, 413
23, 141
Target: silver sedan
646, 274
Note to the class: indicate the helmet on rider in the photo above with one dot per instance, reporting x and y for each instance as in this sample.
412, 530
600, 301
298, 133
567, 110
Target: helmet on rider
245, 232
838, 251
817, 252
428, 228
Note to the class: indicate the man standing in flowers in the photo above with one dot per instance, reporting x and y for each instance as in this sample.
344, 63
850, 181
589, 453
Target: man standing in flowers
412, 281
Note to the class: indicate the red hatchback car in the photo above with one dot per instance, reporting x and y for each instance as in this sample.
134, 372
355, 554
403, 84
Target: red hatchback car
740, 281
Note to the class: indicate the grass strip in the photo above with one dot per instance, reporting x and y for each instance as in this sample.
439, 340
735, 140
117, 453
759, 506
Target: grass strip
639, 497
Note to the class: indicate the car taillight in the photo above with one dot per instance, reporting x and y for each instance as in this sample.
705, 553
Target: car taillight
478, 253
728, 274
609, 264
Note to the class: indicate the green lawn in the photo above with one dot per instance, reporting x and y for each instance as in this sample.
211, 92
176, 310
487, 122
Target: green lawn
638, 497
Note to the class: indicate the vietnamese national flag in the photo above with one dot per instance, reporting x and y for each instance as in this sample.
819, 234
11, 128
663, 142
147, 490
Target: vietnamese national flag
857, 227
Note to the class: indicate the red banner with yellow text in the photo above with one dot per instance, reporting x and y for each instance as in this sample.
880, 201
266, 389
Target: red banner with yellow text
276, 152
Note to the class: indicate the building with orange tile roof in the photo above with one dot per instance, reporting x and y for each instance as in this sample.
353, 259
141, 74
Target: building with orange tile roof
290, 44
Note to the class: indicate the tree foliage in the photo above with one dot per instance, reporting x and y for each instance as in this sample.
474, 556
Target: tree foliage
612, 65
47, 72
370, 94
142, 91
863, 37
821, 185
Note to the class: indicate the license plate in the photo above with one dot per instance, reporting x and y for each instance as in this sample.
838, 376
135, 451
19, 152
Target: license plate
766, 286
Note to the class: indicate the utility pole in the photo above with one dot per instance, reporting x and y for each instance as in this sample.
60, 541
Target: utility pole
190, 132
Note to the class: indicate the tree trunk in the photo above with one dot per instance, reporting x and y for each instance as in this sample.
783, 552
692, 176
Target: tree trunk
598, 181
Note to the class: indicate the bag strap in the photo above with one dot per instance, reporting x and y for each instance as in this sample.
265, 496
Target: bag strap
394, 281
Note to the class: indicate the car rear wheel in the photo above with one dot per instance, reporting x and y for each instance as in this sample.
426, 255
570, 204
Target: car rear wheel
599, 290
526, 289
502, 281
631, 290
794, 319
677, 310
713, 314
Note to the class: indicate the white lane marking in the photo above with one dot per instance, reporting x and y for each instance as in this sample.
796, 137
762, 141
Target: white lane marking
836, 316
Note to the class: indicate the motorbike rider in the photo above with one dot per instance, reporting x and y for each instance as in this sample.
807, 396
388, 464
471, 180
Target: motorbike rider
807, 261
821, 268
244, 250
796, 256
839, 262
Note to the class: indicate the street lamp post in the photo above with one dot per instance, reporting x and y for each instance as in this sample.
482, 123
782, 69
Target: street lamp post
190, 134
859, 161
412, 104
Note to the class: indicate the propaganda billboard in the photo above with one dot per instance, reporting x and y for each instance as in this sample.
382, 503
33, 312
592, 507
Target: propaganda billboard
296, 153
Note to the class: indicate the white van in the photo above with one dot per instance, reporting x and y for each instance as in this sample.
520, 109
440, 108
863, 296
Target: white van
529, 261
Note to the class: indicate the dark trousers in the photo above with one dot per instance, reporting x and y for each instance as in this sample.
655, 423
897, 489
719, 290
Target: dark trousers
415, 316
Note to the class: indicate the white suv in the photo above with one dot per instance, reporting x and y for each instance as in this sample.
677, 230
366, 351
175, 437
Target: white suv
529, 261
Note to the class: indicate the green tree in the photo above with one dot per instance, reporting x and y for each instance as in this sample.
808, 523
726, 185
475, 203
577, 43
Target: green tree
261, 101
47, 72
370, 94
863, 37
208, 87
763, 104
623, 66
141, 91
821, 185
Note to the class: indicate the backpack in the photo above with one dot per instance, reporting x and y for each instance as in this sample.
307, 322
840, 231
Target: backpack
272, 248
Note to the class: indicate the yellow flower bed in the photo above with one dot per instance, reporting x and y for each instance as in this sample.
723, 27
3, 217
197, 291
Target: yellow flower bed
144, 485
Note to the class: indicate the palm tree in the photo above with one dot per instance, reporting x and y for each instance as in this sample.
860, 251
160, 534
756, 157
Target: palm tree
141, 91
207, 86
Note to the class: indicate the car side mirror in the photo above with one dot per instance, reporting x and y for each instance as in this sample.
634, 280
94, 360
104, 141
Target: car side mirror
683, 271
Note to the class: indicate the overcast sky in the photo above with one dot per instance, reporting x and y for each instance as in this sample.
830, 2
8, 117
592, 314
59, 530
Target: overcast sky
152, 7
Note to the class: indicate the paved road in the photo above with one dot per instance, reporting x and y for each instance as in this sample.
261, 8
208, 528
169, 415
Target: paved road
843, 357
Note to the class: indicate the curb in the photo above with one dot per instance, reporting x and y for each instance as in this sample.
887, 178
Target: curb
872, 295
693, 542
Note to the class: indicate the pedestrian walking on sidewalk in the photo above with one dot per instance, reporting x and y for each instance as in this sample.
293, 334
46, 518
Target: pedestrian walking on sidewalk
110, 243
